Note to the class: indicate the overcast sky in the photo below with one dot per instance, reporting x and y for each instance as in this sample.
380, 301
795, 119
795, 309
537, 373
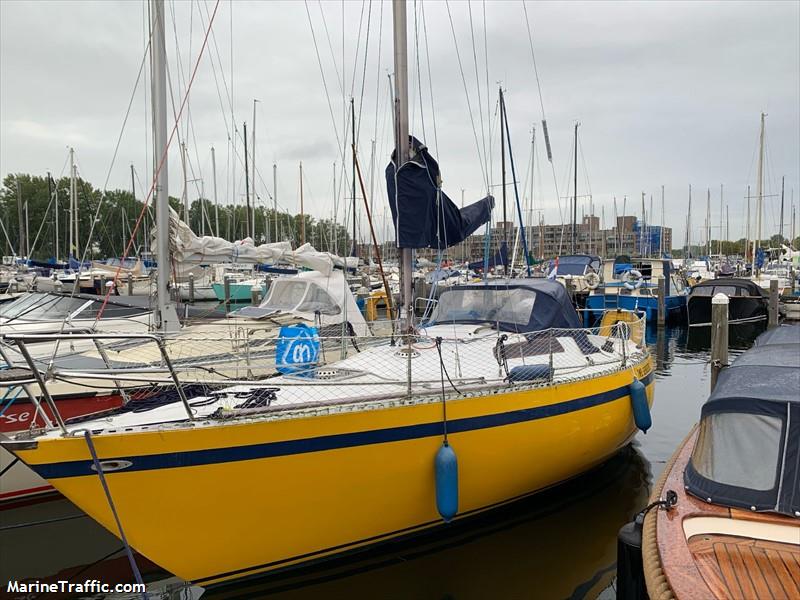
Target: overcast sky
667, 93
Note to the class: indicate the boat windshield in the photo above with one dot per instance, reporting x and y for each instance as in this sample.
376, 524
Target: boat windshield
293, 294
45, 307
285, 295
485, 305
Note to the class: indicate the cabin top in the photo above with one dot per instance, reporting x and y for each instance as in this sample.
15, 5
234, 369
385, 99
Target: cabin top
731, 287
519, 305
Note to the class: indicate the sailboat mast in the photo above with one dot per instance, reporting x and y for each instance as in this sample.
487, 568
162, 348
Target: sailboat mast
353, 128
55, 211
216, 202
255, 179
575, 191
721, 217
133, 194
246, 184
747, 232
302, 211
533, 164
661, 233
275, 198
689, 225
780, 231
185, 192
401, 140
159, 100
21, 220
503, 172
708, 221
72, 211
759, 193
642, 249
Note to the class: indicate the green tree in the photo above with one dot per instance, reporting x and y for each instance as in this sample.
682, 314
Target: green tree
117, 214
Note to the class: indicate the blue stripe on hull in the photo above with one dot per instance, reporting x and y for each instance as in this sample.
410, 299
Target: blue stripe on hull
333, 442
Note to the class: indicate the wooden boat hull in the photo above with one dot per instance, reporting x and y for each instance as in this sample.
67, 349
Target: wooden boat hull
704, 551
279, 493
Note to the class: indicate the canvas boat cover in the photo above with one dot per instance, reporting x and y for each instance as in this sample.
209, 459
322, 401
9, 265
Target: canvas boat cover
186, 247
747, 453
730, 286
515, 305
423, 215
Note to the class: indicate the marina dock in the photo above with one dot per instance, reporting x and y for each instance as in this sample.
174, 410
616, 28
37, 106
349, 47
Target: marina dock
406, 300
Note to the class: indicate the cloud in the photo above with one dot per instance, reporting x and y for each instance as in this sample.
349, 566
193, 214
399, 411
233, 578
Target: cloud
666, 93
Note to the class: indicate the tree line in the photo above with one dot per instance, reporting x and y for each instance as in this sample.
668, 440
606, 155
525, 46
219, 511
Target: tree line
34, 213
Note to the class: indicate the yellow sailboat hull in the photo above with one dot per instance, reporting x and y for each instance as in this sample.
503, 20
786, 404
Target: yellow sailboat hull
213, 503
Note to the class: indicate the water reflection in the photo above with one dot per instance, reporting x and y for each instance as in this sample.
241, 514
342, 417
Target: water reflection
54, 540
740, 336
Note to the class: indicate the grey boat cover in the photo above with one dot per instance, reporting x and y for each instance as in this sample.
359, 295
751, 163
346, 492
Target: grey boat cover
747, 453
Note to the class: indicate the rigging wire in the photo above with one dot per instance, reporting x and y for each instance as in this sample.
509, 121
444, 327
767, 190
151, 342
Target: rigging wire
544, 118
419, 74
466, 92
477, 79
488, 102
163, 156
339, 80
430, 78
322, 73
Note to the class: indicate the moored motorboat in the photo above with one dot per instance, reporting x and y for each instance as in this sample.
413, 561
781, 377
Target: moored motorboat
632, 284
746, 304
732, 528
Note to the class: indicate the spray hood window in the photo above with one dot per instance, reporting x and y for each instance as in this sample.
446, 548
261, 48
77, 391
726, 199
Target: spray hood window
747, 453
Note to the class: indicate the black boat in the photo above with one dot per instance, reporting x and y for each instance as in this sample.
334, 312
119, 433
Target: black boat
747, 302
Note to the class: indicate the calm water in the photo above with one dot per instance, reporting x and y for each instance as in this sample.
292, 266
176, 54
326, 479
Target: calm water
559, 544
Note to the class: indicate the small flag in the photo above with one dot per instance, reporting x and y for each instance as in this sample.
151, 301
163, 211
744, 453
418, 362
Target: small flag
554, 272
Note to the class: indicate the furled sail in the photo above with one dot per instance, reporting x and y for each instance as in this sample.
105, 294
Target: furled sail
188, 248
423, 215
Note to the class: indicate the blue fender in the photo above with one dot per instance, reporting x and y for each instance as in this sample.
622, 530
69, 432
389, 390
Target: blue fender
641, 410
446, 482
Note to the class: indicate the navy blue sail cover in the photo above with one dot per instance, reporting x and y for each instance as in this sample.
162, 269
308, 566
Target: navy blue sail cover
424, 216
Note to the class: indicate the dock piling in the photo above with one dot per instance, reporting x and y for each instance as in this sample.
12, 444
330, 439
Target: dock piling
227, 288
255, 295
191, 288
662, 301
773, 303
130, 283
719, 336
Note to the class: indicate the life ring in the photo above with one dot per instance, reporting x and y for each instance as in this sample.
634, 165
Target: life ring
633, 279
592, 280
